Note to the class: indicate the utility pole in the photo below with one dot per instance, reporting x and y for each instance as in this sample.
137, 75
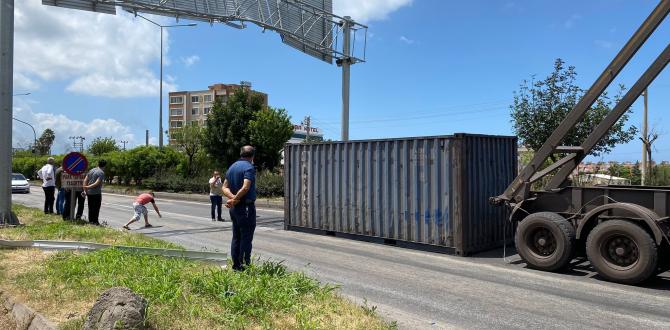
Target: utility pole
6, 109
346, 75
645, 141
146, 143
78, 142
124, 145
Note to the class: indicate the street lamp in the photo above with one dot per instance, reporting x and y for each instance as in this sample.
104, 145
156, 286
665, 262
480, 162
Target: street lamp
34, 143
160, 115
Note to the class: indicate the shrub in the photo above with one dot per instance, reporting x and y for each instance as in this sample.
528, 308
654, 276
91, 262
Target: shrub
269, 184
177, 183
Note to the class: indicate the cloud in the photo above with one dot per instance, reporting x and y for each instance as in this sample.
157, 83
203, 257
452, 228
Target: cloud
406, 40
189, 61
64, 127
369, 10
93, 54
572, 21
604, 44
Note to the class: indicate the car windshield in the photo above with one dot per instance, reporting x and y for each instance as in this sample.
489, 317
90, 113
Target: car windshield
18, 177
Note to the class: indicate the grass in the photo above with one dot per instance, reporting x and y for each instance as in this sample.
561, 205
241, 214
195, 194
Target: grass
182, 294
40, 226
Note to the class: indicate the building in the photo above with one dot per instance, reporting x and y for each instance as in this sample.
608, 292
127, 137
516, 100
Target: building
300, 134
194, 106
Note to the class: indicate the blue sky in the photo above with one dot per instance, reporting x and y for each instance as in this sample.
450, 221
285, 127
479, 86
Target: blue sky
434, 67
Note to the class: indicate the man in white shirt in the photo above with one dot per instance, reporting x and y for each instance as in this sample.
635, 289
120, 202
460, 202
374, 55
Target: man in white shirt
48, 176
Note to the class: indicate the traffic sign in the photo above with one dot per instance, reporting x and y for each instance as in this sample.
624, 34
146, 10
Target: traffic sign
69, 181
75, 163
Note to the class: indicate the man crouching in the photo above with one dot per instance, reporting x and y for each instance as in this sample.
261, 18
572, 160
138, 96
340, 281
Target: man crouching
141, 209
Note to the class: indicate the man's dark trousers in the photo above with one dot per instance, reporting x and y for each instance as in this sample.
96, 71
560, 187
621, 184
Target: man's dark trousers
216, 206
243, 216
94, 203
79, 200
49, 199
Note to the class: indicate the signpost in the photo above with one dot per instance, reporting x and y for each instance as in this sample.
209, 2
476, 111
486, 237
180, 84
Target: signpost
75, 165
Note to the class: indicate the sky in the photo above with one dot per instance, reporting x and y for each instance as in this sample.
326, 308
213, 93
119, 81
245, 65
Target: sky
434, 67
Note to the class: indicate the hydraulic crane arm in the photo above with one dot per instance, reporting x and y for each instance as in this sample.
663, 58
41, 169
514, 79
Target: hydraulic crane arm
519, 189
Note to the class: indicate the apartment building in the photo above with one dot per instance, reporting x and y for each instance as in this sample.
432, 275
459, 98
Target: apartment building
194, 106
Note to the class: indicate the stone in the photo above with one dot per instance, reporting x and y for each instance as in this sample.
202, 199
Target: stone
23, 316
7, 302
41, 323
117, 308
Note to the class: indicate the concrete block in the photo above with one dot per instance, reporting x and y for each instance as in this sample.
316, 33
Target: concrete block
23, 316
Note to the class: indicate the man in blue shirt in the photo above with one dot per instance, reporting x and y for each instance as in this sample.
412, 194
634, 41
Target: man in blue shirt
240, 188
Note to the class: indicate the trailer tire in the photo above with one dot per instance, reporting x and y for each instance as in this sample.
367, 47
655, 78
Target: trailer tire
545, 241
622, 252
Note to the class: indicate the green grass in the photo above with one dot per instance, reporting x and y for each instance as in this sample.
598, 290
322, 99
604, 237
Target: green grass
182, 294
40, 226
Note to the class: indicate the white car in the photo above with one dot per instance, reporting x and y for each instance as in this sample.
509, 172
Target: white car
20, 184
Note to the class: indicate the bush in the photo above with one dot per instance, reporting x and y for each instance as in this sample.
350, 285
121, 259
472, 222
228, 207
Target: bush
177, 183
269, 184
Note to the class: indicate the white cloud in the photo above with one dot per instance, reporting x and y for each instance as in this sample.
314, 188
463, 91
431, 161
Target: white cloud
64, 127
189, 61
369, 10
94, 54
406, 40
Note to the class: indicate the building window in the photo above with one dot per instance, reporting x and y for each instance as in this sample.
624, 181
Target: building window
208, 98
195, 111
176, 112
195, 99
176, 100
222, 98
206, 111
176, 124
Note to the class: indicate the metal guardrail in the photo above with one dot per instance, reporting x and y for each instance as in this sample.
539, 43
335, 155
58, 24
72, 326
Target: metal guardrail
215, 257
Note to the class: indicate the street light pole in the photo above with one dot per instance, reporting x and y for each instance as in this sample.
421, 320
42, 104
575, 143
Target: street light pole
34, 143
160, 107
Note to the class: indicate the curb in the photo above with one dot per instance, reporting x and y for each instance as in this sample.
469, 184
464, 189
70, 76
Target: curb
25, 318
261, 202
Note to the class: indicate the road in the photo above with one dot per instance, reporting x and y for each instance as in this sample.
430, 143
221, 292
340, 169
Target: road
419, 290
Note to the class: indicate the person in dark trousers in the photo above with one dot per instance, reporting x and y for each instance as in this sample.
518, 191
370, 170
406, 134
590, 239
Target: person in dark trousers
240, 189
93, 190
215, 190
79, 204
48, 176
60, 199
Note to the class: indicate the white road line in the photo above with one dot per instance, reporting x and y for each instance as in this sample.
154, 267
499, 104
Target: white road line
195, 203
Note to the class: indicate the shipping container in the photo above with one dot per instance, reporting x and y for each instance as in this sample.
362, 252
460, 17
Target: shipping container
423, 192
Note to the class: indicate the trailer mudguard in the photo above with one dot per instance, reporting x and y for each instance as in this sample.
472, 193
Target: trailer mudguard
648, 216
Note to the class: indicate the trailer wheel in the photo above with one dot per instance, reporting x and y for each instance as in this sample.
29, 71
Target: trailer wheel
622, 252
545, 241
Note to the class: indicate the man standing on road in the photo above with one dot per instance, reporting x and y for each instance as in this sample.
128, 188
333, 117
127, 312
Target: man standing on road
215, 186
240, 188
93, 189
60, 199
48, 175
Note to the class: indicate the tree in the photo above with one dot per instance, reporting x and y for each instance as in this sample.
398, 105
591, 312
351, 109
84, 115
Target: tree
269, 131
45, 141
541, 106
190, 140
227, 125
102, 145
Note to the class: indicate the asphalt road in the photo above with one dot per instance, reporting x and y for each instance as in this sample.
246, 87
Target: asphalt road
419, 290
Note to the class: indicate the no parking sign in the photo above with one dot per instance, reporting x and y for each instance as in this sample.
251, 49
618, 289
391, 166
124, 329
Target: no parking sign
74, 164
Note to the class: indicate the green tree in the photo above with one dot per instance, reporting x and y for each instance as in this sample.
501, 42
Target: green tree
636, 174
189, 139
269, 131
45, 141
102, 145
227, 125
539, 108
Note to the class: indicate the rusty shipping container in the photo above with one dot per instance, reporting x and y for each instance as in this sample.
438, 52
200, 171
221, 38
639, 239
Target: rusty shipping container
424, 192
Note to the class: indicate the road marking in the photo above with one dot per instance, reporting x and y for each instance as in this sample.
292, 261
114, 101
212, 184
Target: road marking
196, 203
